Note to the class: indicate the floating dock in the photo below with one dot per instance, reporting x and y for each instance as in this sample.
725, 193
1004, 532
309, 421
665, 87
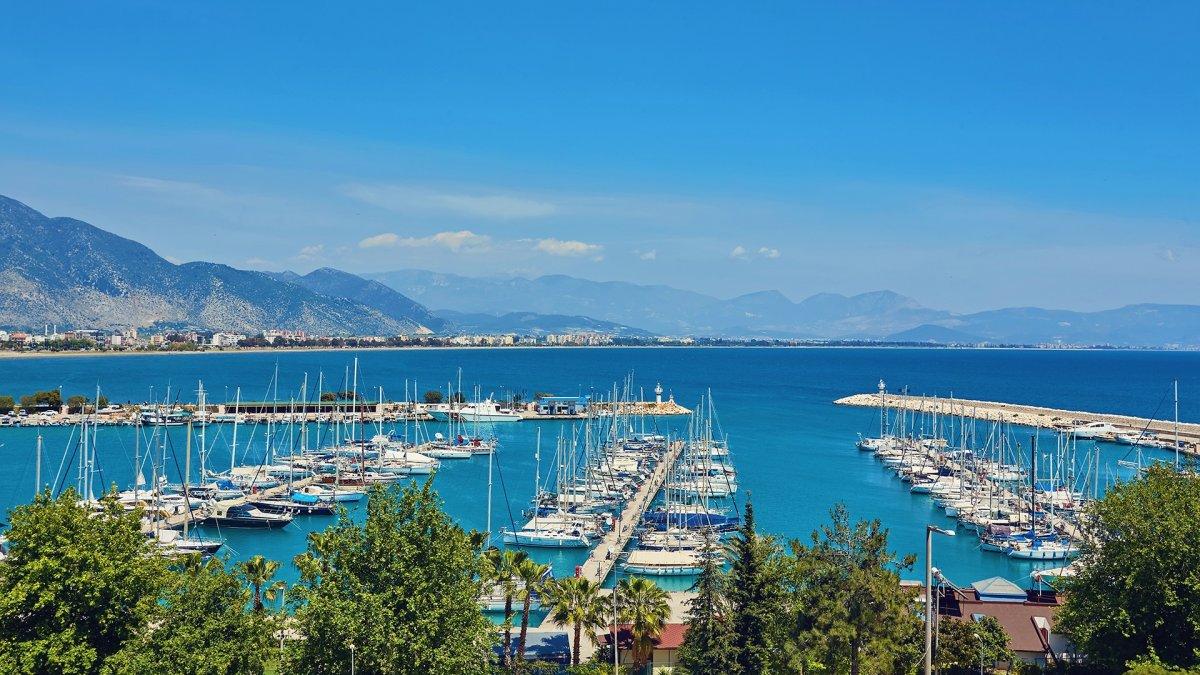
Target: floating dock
1031, 416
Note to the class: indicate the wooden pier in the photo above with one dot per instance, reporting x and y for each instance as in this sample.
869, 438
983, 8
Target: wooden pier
1029, 415
599, 563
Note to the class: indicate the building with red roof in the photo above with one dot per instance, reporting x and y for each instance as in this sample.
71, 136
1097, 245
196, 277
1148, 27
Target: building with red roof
666, 647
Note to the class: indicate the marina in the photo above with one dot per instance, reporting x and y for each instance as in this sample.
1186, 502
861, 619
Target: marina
793, 448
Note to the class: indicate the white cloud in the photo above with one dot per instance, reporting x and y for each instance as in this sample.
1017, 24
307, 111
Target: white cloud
768, 252
172, 188
385, 239
1168, 255
568, 248
652, 254
460, 241
408, 198
258, 264
738, 252
311, 252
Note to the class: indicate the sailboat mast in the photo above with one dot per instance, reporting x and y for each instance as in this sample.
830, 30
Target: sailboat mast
537, 478
237, 403
203, 427
37, 474
488, 543
187, 471
1176, 441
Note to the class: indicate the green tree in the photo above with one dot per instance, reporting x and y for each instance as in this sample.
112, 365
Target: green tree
503, 569
753, 594
708, 645
401, 587
101, 402
201, 628
433, 397
45, 400
75, 587
1133, 596
964, 646
576, 602
258, 572
642, 605
7, 404
76, 404
846, 610
530, 574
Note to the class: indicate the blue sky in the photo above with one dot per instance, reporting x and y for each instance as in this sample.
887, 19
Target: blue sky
969, 155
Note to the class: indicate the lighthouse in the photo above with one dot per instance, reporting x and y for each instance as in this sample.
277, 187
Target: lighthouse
658, 390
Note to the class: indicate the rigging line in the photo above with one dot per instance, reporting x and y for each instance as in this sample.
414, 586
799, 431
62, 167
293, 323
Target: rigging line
1148, 422
503, 489
63, 464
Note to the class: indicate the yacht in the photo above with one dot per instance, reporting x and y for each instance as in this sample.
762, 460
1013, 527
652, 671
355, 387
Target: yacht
1096, 430
247, 516
664, 563
486, 410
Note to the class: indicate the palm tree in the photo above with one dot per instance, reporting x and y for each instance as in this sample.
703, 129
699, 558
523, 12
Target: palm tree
530, 575
501, 568
257, 572
576, 601
642, 605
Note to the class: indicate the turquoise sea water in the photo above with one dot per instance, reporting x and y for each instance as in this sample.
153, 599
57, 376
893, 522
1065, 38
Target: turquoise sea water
793, 448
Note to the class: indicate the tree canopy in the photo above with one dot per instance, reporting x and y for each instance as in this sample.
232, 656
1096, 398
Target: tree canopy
74, 588
847, 611
1137, 592
201, 628
401, 588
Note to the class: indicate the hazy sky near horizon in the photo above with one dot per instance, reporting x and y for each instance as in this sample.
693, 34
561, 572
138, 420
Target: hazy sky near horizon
970, 156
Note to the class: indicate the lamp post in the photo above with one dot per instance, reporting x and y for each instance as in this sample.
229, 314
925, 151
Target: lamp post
352, 662
929, 530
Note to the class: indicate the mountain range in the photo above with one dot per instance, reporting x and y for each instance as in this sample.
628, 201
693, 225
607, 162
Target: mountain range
878, 315
66, 272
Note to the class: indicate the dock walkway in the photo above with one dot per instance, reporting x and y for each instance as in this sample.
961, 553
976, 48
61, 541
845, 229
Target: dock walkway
599, 564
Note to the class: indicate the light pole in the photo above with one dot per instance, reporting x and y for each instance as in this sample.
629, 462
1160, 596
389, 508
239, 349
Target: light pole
929, 530
352, 663
976, 634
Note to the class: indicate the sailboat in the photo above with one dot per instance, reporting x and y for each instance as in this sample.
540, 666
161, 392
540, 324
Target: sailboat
557, 529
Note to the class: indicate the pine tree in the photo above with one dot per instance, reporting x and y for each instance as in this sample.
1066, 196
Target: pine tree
708, 646
752, 596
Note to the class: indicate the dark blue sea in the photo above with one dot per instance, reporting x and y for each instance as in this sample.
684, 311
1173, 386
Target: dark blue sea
794, 449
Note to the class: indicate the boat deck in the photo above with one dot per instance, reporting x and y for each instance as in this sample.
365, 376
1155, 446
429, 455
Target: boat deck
198, 515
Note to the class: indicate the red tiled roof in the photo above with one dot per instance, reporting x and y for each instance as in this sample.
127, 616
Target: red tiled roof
671, 638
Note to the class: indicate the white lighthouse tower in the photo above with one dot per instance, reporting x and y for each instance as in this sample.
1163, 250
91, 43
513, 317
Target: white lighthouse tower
658, 390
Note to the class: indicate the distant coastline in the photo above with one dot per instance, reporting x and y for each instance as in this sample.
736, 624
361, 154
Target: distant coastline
84, 353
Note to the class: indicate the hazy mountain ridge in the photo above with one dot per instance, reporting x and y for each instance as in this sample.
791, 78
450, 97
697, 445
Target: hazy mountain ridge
666, 310
335, 283
70, 273
532, 323
877, 315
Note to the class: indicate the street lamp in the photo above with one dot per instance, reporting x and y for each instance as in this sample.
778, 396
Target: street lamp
929, 530
352, 663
